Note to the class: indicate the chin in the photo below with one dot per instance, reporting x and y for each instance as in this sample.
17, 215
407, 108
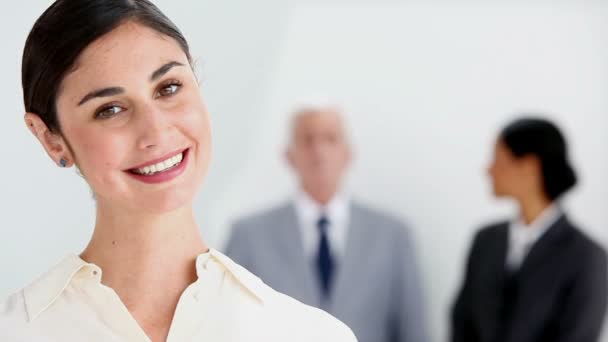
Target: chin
169, 199
176, 196
500, 194
166, 203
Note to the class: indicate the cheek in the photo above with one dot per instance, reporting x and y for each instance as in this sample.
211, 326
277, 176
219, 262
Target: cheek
199, 127
336, 156
492, 169
194, 124
306, 160
496, 172
507, 177
98, 154
194, 118
344, 156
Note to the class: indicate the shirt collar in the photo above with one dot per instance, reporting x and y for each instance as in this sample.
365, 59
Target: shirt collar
533, 231
310, 211
45, 290
248, 280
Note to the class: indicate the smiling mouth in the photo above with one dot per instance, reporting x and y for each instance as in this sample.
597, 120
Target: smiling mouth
160, 167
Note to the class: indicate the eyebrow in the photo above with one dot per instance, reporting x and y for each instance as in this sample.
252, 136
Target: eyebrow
163, 70
111, 91
101, 93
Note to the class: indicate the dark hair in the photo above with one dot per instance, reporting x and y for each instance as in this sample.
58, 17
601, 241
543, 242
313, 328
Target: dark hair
63, 31
541, 138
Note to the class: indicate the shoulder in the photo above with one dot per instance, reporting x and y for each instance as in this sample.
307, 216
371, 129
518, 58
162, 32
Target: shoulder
380, 220
491, 231
14, 318
314, 323
488, 237
261, 219
582, 246
13, 308
382, 228
295, 317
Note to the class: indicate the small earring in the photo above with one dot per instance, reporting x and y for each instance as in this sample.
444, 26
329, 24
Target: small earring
63, 162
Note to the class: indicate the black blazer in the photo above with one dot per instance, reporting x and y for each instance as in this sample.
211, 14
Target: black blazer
559, 293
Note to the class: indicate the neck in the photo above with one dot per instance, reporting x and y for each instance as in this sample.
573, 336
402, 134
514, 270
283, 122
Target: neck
532, 207
144, 254
322, 194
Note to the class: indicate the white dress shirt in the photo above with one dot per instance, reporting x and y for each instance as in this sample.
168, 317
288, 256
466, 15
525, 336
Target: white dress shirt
226, 303
336, 211
522, 237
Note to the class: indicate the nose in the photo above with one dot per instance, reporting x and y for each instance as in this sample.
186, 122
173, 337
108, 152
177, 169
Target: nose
490, 170
318, 150
154, 127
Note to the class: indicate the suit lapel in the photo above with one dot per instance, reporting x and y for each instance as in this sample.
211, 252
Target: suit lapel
527, 282
544, 246
293, 259
351, 263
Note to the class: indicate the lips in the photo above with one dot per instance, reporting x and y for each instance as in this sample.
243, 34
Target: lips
160, 166
158, 160
161, 169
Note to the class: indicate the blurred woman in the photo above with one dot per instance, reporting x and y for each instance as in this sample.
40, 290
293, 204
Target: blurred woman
536, 278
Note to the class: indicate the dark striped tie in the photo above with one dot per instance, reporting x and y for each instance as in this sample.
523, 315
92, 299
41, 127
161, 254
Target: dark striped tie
325, 264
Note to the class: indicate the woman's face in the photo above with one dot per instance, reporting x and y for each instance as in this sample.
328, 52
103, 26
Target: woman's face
134, 119
508, 173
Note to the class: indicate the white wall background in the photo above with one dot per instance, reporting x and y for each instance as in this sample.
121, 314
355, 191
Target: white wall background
425, 87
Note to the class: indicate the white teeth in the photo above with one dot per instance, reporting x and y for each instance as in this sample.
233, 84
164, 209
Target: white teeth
161, 166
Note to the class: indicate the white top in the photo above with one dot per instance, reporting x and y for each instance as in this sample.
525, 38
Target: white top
226, 303
337, 212
522, 237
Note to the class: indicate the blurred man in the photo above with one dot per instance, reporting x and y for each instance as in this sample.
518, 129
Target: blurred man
329, 251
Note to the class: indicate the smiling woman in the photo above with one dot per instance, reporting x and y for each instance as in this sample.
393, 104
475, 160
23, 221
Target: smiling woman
108, 87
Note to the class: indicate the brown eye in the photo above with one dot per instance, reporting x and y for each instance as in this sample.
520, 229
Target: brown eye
169, 89
108, 112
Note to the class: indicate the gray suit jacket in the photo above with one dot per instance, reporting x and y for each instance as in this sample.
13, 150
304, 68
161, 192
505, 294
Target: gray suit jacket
376, 291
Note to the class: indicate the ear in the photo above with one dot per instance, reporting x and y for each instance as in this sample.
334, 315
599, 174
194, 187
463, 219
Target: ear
350, 154
53, 143
532, 164
289, 157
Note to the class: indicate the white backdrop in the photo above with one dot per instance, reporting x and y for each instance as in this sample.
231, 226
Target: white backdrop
425, 89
